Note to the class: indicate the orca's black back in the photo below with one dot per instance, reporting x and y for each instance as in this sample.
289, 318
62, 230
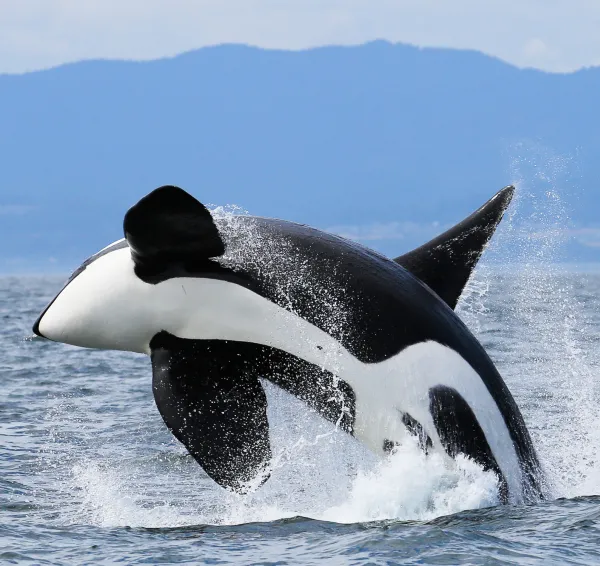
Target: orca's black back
367, 302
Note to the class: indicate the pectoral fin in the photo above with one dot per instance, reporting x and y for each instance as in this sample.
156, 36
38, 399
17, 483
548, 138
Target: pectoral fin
215, 407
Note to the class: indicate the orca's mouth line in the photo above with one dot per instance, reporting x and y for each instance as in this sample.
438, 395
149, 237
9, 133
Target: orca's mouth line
36, 324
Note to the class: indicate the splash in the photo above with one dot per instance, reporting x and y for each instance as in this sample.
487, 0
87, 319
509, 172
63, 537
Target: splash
324, 475
108, 498
412, 486
548, 362
273, 259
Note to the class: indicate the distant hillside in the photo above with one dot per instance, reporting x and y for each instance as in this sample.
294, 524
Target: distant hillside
378, 141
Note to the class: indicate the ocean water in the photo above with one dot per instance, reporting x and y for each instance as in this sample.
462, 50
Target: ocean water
90, 474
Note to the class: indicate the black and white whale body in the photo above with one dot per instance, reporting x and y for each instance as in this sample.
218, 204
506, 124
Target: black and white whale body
372, 344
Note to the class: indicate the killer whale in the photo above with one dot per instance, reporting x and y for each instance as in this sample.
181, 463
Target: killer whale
370, 343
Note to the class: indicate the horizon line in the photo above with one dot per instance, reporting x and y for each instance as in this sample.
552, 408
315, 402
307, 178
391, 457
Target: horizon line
322, 47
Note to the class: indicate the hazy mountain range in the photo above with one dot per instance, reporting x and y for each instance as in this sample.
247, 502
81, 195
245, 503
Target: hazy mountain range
384, 143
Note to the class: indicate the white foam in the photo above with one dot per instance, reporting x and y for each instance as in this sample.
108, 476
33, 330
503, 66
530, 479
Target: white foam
109, 498
412, 486
321, 473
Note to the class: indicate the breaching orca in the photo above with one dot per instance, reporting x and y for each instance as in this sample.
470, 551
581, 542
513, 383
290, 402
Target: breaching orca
372, 344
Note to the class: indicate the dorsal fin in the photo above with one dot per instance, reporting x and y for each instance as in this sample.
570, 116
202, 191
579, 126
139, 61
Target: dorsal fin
446, 262
170, 224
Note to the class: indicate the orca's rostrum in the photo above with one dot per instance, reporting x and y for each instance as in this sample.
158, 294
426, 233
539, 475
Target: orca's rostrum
372, 344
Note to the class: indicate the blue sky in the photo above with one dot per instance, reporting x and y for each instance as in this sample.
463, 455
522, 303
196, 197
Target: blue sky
554, 35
